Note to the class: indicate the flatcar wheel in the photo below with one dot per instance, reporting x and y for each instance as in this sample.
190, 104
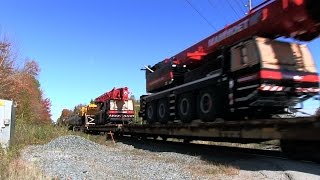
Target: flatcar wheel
206, 106
163, 111
151, 113
186, 109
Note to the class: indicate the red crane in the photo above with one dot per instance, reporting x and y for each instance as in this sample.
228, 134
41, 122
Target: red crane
241, 70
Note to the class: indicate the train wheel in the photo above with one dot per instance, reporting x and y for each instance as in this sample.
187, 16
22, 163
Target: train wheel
186, 109
151, 113
206, 106
163, 111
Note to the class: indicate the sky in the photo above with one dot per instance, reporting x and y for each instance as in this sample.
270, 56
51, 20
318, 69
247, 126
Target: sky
85, 48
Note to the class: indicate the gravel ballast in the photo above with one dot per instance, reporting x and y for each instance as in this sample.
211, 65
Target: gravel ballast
74, 157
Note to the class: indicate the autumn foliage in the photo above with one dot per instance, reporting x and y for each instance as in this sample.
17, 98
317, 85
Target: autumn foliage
64, 115
22, 86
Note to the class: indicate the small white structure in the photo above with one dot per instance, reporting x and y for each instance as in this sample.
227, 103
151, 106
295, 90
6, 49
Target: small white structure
7, 122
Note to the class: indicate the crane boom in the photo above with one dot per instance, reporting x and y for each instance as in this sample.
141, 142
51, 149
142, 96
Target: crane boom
114, 94
298, 19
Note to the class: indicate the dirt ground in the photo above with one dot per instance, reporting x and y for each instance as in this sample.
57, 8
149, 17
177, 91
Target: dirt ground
216, 164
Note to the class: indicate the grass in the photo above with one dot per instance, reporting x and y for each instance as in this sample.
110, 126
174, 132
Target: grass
11, 167
213, 169
18, 169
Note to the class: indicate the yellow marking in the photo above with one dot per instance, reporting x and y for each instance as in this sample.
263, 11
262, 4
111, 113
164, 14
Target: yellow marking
1, 103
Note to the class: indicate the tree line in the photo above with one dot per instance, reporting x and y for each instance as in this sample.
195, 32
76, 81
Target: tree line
21, 85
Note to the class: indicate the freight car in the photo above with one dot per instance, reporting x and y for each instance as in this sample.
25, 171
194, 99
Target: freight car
72, 121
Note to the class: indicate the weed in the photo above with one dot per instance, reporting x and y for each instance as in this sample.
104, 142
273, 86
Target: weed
213, 169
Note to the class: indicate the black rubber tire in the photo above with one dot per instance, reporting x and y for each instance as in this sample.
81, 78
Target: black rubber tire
163, 111
206, 106
186, 108
151, 113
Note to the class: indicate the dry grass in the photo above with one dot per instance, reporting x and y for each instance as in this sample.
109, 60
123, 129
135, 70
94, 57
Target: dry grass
18, 169
213, 169
12, 168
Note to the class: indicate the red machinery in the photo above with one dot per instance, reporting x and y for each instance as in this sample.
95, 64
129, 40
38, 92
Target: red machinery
240, 70
115, 94
298, 19
115, 107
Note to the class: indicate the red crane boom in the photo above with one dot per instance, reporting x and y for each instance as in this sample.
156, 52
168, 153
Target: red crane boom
114, 94
298, 19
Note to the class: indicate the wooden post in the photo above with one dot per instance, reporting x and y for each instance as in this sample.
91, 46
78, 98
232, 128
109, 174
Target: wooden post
111, 135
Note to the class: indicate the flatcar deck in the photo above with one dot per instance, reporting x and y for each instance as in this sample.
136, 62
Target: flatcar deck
296, 129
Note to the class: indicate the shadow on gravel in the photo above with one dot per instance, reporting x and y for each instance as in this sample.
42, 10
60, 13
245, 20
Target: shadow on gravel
231, 156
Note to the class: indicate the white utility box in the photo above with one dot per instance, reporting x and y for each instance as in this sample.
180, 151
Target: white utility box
7, 122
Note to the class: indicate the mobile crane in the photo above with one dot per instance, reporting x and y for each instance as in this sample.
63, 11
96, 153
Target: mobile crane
241, 71
114, 107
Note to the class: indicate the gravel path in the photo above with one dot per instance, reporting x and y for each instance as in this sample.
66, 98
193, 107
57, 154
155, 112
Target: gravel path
73, 157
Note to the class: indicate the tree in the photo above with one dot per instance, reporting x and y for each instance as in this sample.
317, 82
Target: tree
22, 86
46, 109
64, 115
7, 71
136, 104
77, 108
